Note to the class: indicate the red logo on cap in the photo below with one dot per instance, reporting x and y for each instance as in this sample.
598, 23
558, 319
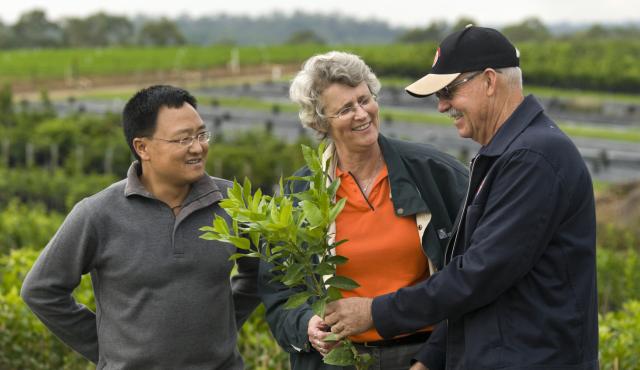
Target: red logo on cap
435, 58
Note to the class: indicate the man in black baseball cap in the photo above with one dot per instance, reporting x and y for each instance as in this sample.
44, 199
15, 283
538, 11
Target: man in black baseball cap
472, 49
518, 290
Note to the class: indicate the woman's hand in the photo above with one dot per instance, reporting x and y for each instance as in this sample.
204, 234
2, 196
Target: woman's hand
317, 331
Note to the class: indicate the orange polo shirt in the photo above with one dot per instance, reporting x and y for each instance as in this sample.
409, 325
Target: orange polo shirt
383, 249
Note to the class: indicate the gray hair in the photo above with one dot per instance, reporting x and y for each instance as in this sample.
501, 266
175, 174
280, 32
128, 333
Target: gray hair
513, 76
318, 73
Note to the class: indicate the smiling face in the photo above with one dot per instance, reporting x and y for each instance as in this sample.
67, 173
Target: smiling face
170, 163
468, 106
357, 128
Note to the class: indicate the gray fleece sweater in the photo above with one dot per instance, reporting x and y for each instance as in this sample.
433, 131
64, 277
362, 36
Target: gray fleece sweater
163, 295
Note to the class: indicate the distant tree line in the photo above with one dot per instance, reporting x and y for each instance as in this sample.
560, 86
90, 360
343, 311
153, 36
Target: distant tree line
529, 29
34, 29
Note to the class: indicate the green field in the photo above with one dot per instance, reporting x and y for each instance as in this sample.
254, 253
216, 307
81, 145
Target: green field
599, 65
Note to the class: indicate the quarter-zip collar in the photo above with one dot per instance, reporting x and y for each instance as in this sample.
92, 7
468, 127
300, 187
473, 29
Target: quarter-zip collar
203, 192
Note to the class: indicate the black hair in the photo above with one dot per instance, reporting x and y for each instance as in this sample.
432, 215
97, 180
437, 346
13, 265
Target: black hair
140, 114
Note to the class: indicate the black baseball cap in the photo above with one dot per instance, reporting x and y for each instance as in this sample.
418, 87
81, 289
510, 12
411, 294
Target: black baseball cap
471, 49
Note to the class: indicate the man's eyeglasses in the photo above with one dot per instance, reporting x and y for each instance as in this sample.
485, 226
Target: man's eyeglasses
348, 112
203, 138
448, 91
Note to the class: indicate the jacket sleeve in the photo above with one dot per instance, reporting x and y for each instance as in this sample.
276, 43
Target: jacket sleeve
289, 326
507, 234
433, 353
48, 287
244, 286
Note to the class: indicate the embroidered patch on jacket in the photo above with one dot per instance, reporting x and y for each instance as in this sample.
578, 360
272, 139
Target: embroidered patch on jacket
443, 234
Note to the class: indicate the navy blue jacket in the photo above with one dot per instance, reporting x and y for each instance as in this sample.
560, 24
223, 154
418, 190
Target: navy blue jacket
519, 287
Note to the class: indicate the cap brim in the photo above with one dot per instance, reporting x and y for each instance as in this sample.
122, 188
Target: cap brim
429, 84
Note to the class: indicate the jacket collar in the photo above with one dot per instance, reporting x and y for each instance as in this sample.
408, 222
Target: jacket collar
404, 192
204, 190
519, 120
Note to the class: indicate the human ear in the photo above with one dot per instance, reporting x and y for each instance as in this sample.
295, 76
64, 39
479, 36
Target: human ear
490, 80
140, 145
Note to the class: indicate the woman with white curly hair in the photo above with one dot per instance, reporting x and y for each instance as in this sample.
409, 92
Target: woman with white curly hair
402, 199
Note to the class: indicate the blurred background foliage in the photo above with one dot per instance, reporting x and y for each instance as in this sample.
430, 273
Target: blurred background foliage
35, 197
48, 162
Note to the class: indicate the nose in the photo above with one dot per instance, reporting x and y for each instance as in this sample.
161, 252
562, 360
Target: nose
360, 111
443, 105
197, 146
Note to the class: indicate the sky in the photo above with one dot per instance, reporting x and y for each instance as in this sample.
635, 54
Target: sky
410, 13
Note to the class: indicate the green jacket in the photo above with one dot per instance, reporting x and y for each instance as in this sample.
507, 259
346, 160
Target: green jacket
426, 184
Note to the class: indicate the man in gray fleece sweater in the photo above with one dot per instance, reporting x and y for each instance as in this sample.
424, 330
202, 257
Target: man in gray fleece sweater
164, 299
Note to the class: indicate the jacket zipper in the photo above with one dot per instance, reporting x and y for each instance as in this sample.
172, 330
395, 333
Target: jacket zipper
462, 216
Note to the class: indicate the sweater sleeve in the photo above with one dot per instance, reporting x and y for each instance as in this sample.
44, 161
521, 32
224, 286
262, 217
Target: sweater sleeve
48, 287
244, 288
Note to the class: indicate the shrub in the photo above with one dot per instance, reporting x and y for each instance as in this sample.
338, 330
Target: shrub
26, 225
620, 338
618, 277
26, 343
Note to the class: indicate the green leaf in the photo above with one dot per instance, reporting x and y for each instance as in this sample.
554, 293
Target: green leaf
235, 194
286, 212
220, 226
337, 260
294, 274
335, 244
254, 237
311, 213
299, 178
210, 236
297, 299
340, 355
333, 294
342, 282
324, 268
246, 190
313, 162
336, 209
240, 242
332, 337
333, 188
235, 256
319, 306
255, 204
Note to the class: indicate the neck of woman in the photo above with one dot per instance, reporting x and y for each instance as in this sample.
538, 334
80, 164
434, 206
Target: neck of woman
363, 165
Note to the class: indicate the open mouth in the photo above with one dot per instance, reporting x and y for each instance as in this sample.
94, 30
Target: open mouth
194, 161
361, 127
